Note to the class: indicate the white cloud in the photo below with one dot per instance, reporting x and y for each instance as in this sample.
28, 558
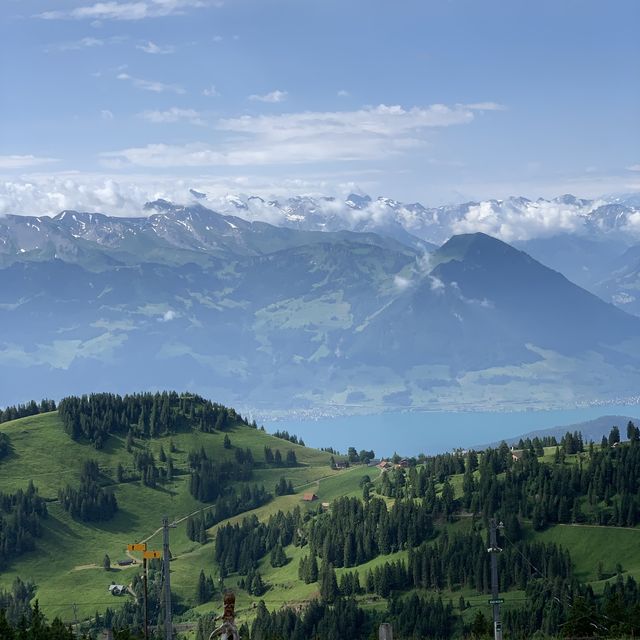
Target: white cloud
435, 284
485, 106
155, 49
151, 85
272, 97
88, 42
173, 115
301, 138
343, 93
168, 316
138, 10
634, 167
401, 283
125, 194
105, 114
83, 43
211, 92
23, 162
512, 222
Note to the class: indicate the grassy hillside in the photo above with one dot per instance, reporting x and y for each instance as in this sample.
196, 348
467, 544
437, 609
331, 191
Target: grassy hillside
67, 564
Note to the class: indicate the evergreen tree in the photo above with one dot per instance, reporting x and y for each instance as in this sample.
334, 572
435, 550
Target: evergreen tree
328, 584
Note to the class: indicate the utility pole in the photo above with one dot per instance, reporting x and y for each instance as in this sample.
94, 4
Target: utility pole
75, 617
146, 608
142, 546
495, 601
168, 626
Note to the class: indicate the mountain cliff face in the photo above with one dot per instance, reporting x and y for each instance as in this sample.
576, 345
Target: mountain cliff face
271, 317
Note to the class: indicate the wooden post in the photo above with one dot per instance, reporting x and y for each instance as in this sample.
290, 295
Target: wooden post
146, 609
385, 632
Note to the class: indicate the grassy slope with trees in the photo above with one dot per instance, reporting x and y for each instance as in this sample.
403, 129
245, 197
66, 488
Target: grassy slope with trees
67, 565
67, 562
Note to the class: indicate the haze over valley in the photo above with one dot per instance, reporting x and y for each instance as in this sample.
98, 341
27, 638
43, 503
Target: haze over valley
344, 306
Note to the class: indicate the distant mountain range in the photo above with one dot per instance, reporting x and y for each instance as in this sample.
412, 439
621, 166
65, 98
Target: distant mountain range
300, 316
590, 430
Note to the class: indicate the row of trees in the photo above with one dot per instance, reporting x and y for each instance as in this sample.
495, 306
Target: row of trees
31, 408
285, 435
275, 459
412, 617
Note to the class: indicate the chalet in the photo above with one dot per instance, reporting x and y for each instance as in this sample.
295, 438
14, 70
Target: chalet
325, 506
309, 497
384, 465
404, 463
340, 465
516, 454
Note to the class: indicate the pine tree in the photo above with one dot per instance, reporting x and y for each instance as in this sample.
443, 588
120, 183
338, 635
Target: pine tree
106, 562
312, 574
328, 584
202, 588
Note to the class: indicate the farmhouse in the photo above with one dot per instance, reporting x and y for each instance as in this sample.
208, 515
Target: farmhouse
309, 497
126, 562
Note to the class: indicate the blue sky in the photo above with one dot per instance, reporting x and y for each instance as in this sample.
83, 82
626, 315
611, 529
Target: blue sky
431, 100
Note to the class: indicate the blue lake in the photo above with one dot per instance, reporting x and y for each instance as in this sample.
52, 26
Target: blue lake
410, 433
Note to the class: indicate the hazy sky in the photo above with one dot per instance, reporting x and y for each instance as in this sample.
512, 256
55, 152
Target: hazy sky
429, 100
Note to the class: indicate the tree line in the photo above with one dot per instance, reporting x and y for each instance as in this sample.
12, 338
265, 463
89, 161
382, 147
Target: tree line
31, 408
290, 437
92, 418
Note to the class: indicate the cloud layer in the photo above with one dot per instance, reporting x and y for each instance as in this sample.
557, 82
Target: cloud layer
23, 161
151, 85
303, 138
272, 97
138, 10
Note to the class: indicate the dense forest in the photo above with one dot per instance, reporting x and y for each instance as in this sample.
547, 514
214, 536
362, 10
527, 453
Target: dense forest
431, 511
89, 502
92, 418
230, 504
602, 487
21, 515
